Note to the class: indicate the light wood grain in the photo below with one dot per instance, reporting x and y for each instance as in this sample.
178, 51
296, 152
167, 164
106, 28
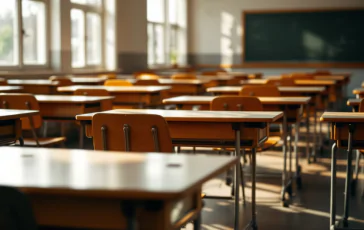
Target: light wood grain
5, 89
32, 82
107, 174
204, 116
342, 117
118, 89
201, 100
7, 114
71, 99
284, 89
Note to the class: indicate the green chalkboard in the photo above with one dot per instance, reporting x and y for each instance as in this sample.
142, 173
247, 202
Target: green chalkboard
320, 36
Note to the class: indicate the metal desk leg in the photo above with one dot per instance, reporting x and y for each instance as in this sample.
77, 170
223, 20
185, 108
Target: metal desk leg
289, 184
333, 188
298, 167
354, 182
237, 177
253, 223
284, 173
308, 133
348, 176
314, 134
197, 222
81, 136
21, 141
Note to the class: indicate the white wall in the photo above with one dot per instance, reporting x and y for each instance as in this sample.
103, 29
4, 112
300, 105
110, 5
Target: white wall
215, 28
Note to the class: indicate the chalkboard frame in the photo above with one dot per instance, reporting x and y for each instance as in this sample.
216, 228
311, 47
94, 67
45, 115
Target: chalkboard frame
295, 64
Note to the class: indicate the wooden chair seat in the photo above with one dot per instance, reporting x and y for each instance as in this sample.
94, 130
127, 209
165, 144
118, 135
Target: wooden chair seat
43, 141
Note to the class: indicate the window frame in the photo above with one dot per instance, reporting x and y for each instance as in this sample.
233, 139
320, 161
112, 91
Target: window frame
20, 65
100, 10
168, 27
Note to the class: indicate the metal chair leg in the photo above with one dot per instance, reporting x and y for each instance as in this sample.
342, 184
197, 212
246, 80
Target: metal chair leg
242, 182
333, 187
354, 182
348, 176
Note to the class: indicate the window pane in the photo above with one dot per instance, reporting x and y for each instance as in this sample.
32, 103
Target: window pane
181, 9
151, 49
110, 54
159, 44
173, 45
155, 10
172, 11
93, 39
34, 35
8, 33
78, 38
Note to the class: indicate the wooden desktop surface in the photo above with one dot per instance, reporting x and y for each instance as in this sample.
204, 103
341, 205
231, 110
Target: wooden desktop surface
328, 82
264, 100
342, 117
282, 89
204, 116
44, 82
89, 173
117, 89
6, 88
71, 99
354, 102
88, 80
8, 114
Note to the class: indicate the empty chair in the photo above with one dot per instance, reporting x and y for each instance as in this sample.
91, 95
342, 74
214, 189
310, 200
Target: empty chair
281, 82
117, 82
180, 76
260, 91
147, 82
62, 81
29, 102
105, 105
15, 210
131, 132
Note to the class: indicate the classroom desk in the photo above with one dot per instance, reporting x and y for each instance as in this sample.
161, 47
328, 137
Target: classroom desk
316, 93
215, 129
66, 107
88, 80
343, 127
104, 190
292, 108
10, 89
354, 103
136, 96
36, 86
10, 125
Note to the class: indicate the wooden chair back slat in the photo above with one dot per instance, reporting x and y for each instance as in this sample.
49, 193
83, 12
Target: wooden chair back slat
62, 81
236, 103
281, 82
131, 132
189, 76
147, 82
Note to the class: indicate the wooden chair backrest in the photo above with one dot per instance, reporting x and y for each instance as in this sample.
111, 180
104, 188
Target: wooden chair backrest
190, 76
107, 76
22, 101
117, 82
147, 76
105, 105
147, 82
213, 73
62, 81
260, 91
140, 73
131, 132
242, 76
236, 103
281, 82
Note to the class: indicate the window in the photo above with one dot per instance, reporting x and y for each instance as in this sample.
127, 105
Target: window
23, 42
86, 36
167, 43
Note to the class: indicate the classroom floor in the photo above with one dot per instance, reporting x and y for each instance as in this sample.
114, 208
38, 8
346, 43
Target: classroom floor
309, 208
